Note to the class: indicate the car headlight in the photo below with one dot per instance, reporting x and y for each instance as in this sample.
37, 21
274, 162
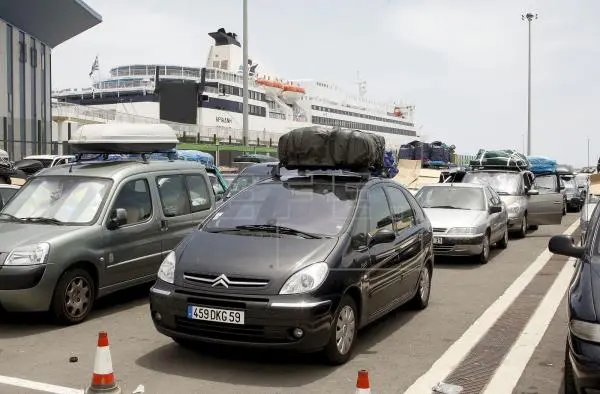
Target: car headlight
514, 209
166, 271
585, 330
28, 255
305, 280
463, 230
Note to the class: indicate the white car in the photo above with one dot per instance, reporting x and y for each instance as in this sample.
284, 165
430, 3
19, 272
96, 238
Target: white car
51, 160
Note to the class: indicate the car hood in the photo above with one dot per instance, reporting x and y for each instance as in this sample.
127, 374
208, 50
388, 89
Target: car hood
448, 218
247, 257
513, 200
22, 234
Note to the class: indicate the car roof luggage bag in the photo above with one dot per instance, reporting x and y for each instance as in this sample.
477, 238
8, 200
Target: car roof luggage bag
317, 147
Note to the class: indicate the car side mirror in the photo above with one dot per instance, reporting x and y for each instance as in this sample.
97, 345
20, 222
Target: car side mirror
117, 219
495, 209
533, 192
565, 245
383, 236
219, 196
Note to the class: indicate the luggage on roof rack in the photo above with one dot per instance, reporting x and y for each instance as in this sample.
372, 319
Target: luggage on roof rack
123, 138
507, 159
317, 147
28, 166
541, 165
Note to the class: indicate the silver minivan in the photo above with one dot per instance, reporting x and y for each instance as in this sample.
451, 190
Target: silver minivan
80, 231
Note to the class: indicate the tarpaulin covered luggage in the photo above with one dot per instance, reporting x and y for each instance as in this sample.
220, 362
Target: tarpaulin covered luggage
28, 166
541, 164
500, 158
317, 147
196, 155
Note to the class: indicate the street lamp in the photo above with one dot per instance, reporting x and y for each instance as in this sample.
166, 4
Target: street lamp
529, 17
246, 70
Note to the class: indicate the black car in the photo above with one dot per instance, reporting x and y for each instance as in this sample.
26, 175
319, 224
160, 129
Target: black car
582, 356
298, 262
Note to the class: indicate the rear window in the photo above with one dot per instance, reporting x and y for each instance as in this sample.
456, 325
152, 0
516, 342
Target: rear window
320, 208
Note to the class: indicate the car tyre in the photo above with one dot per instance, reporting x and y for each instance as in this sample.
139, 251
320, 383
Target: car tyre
344, 329
73, 297
484, 256
569, 376
523, 230
503, 243
421, 299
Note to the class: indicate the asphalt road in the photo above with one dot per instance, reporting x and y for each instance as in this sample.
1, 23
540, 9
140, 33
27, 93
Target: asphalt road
396, 351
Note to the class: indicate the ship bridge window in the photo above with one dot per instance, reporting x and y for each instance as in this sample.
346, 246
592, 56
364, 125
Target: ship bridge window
224, 64
139, 70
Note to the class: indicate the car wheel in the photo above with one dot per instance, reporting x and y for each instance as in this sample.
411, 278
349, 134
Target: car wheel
421, 299
503, 243
524, 226
569, 377
73, 297
343, 332
484, 256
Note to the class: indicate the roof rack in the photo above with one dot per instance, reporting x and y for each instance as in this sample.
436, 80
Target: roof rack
498, 167
306, 171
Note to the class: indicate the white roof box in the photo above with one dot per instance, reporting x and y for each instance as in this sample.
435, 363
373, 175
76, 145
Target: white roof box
123, 138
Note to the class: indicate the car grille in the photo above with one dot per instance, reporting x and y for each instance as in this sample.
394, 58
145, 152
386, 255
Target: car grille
442, 248
226, 281
234, 332
439, 230
222, 301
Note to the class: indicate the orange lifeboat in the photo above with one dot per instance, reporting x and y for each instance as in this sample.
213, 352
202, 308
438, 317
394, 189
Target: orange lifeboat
271, 86
292, 93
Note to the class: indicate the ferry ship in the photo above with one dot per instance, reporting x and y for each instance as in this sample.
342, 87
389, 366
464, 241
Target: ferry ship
276, 105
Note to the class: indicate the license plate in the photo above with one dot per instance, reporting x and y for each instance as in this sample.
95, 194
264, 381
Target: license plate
215, 315
438, 240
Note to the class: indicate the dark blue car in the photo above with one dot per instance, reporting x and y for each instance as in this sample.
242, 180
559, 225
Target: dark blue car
582, 358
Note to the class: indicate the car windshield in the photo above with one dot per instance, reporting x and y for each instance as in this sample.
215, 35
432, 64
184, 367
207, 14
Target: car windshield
569, 183
469, 198
503, 182
312, 207
61, 199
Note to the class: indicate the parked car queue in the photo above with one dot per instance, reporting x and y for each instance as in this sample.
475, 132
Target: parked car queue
350, 249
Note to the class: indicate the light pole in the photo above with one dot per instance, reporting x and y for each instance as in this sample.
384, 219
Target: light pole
588, 151
245, 85
529, 17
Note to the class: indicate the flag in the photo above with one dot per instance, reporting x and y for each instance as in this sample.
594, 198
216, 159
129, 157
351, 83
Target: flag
95, 66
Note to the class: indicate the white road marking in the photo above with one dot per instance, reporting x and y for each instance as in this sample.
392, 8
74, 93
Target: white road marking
29, 384
463, 345
508, 374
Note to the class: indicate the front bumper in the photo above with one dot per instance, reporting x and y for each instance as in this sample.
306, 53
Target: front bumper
458, 245
515, 222
269, 320
585, 359
26, 288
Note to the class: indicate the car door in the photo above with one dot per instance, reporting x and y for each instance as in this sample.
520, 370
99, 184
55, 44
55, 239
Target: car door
133, 250
383, 272
500, 218
185, 200
409, 241
546, 207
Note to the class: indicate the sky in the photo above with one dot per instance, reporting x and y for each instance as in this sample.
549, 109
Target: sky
461, 63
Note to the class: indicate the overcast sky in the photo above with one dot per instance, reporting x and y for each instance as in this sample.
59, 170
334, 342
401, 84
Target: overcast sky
462, 63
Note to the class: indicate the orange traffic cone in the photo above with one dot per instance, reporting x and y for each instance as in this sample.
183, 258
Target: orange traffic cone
103, 378
362, 383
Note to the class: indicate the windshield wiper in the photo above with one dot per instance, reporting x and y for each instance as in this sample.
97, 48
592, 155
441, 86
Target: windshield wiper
11, 217
446, 207
271, 228
43, 220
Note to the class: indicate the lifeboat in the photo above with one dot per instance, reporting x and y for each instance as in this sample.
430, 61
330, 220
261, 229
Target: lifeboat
292, 93
272, 87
